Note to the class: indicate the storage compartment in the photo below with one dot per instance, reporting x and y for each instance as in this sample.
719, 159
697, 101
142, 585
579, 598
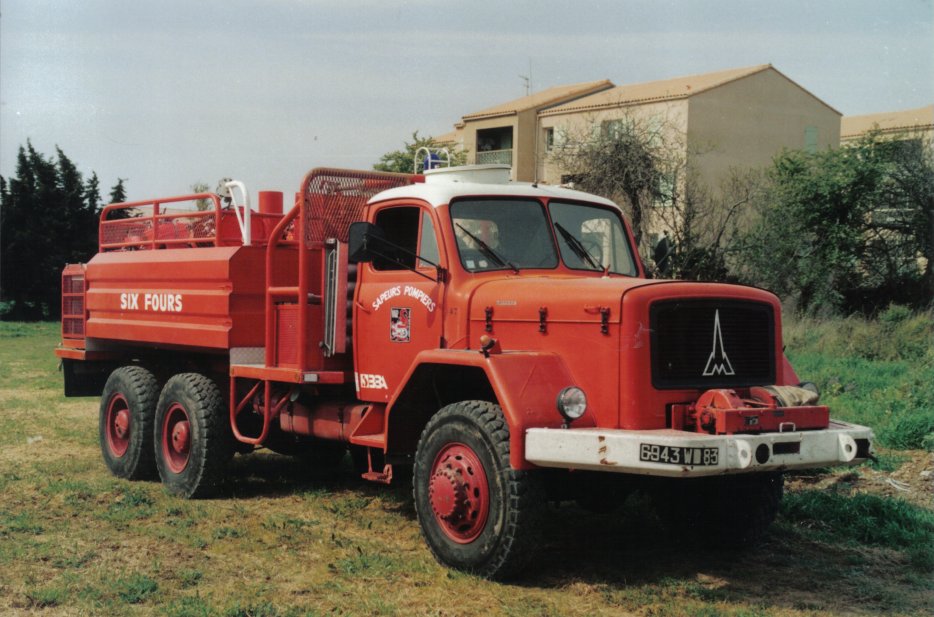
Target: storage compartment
287, 336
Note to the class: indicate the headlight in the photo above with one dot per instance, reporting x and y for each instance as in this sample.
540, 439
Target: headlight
572, 403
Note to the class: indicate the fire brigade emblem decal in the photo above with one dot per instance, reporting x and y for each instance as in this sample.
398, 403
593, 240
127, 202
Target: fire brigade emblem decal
718, 363
400, 325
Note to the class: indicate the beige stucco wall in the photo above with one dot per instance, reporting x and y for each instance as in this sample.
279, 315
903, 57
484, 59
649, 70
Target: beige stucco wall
580, 125
741, 124
523, 126
745, 123
524, 146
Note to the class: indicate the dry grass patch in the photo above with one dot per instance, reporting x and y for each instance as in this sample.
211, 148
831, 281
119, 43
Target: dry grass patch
284, 540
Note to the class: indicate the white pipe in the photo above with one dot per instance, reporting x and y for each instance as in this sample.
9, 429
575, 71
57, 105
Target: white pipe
244, 220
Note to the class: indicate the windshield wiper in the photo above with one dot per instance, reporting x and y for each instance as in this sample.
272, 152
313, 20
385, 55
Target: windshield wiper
577, 246
488, 251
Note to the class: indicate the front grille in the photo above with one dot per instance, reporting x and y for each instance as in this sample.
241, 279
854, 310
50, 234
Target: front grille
712, 343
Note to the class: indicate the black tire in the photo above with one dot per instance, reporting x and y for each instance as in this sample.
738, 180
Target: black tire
730, 511
128, 406
503, 543
199, 469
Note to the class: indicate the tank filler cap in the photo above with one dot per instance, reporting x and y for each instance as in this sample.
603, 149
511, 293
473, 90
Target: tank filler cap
493, 173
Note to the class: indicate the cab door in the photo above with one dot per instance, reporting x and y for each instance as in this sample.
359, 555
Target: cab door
398, 304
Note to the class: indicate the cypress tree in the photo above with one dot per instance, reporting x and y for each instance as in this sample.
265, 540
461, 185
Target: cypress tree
48, 217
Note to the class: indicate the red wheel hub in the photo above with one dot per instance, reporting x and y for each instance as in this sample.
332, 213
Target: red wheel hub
176, 438
117, 429
459, 493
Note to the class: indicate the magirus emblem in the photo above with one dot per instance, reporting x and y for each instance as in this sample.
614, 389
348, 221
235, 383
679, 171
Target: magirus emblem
718, 363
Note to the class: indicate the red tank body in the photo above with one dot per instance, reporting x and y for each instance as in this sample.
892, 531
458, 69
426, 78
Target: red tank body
210, 298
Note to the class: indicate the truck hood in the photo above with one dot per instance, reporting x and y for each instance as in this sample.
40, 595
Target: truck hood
581, 320
578, 300
562, 300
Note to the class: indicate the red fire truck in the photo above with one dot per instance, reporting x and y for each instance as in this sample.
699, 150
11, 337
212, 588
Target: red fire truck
502, 339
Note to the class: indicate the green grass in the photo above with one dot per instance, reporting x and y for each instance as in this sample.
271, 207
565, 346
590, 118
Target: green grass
136, 588
878, 373
862, 519
283, 542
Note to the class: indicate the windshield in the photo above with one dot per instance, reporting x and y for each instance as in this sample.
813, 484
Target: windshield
502, 234
592, 238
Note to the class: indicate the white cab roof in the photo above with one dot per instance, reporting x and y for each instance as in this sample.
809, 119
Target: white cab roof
438, 192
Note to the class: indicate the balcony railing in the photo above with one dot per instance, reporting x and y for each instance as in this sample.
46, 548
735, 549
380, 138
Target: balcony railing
494, 156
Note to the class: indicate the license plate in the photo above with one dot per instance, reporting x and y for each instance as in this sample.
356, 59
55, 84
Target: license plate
678, 455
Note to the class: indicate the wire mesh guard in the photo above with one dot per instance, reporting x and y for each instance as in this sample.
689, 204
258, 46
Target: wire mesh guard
139, 228
335, 198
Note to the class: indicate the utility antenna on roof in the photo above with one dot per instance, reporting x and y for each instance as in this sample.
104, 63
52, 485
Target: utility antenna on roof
528, 79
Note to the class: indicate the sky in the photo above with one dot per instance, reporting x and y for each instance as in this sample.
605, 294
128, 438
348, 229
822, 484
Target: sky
170, 93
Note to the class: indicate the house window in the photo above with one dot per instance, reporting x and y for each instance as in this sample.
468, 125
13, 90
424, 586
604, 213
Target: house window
666, 192
494, 145
614, 129
810, 139
494, 139
549, 138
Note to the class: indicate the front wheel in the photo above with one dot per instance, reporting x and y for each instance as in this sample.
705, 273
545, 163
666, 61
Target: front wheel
476, 513
193, 439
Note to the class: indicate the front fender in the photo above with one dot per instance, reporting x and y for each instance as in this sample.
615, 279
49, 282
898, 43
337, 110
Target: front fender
526, 386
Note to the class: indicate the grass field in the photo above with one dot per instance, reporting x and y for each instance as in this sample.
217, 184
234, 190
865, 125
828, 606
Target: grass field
283, 541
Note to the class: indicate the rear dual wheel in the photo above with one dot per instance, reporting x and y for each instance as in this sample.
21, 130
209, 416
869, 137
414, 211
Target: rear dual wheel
127, 409
476, 513
193, 440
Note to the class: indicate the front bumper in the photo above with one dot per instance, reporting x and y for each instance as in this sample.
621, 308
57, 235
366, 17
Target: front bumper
672, 453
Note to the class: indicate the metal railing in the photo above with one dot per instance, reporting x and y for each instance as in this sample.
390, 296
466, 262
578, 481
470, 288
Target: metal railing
146, 224
494, 156
177, 222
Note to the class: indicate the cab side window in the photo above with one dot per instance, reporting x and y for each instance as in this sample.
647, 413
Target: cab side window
428, 247
401, 226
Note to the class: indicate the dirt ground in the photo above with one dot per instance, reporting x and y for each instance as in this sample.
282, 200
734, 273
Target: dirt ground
912, 481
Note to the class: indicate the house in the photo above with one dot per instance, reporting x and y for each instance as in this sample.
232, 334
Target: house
736, 118
909, 122
910, 131
714, 122
508, 133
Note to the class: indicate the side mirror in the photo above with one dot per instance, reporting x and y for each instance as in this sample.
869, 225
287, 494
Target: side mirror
360, 241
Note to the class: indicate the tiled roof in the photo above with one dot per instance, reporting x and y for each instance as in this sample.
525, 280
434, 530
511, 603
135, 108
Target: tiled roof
545, 98
665, 89
888, 122
445, 139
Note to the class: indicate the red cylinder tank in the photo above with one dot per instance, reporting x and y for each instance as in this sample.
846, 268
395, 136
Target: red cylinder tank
270, 202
